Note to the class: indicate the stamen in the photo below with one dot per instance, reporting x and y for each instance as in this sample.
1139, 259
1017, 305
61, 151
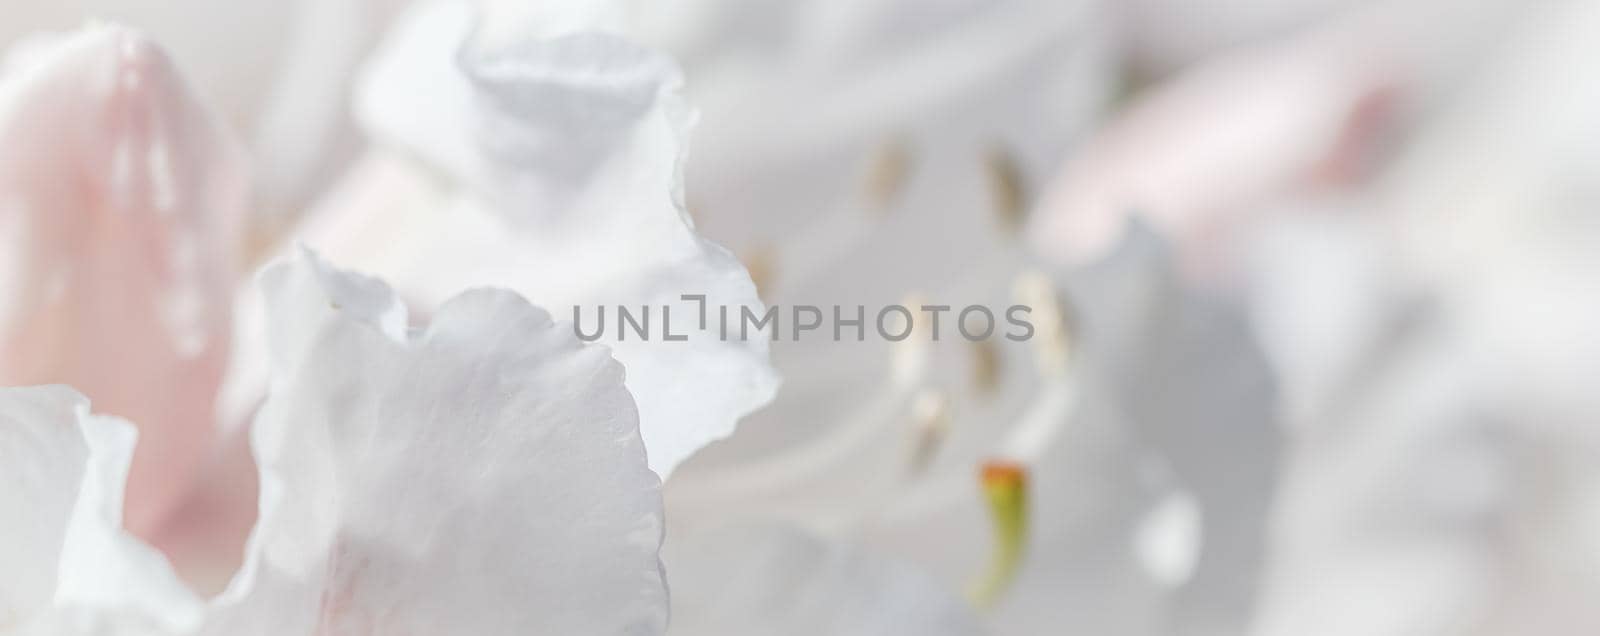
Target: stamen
1052, 339
909, 358
887, 173
1007, 186
1005, 486
985, 367
1042, 424
930, 420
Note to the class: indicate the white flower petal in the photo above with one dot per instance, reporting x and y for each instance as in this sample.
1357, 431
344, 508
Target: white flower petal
303, 130
483, 475
42, 454
1178, 398
68, 566
540, 97
858, 153
1198, 400
772, 579
561, 155
118, 197
871, 153
1164, 35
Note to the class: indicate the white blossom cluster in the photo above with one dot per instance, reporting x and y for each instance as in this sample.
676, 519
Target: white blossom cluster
1290, 317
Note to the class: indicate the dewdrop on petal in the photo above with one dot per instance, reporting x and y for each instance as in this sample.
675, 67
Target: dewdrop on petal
1168, 539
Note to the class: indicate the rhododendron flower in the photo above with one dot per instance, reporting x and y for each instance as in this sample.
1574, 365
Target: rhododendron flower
911, 137
895, 185
548, 163
1307, 290
407, 473
484, 473
1419, 312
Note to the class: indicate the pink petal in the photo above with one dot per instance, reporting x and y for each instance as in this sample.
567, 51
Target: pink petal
118, 197
1206, 149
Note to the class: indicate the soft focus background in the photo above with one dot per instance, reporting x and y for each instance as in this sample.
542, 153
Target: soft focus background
1326, 270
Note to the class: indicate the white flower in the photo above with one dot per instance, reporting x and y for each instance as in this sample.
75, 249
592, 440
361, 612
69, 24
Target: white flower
549, 164
887, 152
483, 474
884, 181
67, 566
1158, 478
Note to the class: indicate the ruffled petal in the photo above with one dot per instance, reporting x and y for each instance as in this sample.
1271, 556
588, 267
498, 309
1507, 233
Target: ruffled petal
482, 475
559, 155
118, 196
69, 567
42, 454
